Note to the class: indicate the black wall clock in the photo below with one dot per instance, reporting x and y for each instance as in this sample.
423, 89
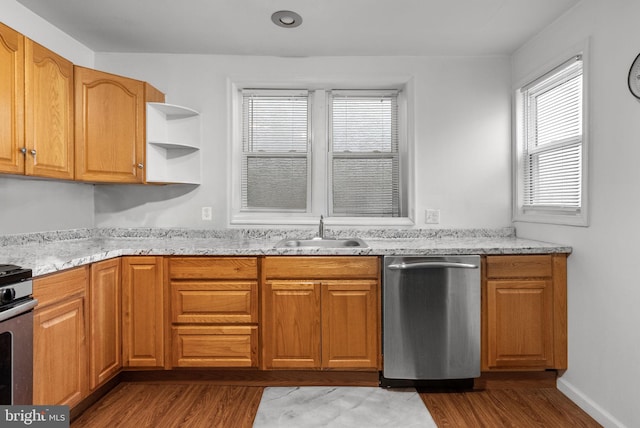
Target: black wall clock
634, 77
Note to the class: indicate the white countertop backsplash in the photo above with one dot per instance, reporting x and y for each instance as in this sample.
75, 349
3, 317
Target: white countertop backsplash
48, 252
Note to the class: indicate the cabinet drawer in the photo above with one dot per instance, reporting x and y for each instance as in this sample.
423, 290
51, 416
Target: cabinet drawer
208, 346
320, 267
60, 285
213, 268
533, 266
214, 302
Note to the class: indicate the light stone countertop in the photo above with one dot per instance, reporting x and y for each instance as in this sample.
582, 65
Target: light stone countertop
55, 251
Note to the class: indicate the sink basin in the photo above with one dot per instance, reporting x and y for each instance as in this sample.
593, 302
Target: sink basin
322, 243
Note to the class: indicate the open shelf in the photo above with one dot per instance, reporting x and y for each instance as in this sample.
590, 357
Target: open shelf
173, 144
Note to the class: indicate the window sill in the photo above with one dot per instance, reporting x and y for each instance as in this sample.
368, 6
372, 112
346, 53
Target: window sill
244, 219
565, 219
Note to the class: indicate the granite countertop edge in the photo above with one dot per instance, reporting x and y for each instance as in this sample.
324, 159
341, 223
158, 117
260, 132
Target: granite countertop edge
56, 251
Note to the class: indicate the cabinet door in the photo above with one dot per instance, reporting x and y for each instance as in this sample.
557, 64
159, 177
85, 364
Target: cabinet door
60, 367
520, 323
11, 100
291, 325
109, 122
48, 113
105, 354
350, 324
142, 312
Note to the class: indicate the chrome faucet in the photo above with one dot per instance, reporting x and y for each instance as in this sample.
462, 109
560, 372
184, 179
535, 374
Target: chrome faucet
321, 228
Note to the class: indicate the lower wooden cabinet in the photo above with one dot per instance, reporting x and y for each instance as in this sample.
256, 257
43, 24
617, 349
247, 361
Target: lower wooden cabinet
524, 313
214, 311
321, 313
143, 307
60, 344
105, 309
215, 346
350, 334
317, 313
291, 325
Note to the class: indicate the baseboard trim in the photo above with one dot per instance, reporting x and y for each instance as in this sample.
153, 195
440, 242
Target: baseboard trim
603, 417
94, 397
256, 377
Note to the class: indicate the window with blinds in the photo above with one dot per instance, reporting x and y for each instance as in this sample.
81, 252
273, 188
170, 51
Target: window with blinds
364, 173
299, 154
276, 152
552, 143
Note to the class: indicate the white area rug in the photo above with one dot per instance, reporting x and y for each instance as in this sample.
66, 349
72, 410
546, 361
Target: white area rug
315, 406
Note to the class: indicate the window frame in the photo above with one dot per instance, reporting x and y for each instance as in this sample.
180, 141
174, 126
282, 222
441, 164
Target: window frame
245, 155
548, 214
319, 136
334, 155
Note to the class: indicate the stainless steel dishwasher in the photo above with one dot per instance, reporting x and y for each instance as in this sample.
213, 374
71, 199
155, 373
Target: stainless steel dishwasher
431, 321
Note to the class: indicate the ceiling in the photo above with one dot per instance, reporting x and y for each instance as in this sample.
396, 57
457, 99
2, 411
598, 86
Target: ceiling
329, 27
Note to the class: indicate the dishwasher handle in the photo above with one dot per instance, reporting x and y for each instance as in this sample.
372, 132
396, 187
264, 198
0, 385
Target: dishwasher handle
431, 265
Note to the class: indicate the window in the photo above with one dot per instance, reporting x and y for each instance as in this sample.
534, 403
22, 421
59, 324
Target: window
551, 147
275, 151
364, 171
310, 152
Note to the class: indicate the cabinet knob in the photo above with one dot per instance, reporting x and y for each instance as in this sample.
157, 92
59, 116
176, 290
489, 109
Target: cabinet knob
23, 150
33, 152
140, 166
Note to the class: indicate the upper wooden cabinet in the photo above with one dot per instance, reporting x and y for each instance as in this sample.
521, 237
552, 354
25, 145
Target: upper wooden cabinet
69, 122
48, 113
11, 100
36, 105
110, 126
524, 312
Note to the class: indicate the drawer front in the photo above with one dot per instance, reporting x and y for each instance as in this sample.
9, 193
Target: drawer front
224, 346
219, 302
60, 285
321, 267
533, 266
213, 268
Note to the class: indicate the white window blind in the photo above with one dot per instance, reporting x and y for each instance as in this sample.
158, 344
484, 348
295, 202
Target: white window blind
275, 151
553, 139
364, 172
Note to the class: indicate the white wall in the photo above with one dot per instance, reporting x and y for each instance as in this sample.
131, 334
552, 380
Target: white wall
462, 113
28, 205
604, 286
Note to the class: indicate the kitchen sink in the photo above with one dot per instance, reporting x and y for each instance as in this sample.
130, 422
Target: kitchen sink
322, 243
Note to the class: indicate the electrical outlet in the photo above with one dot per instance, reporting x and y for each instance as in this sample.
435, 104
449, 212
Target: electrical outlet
206, 213
432, 216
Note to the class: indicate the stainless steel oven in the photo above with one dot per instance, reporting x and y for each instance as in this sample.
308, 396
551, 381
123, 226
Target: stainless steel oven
16, 335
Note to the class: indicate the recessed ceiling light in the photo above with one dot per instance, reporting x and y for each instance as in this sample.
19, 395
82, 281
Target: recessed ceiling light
286, 19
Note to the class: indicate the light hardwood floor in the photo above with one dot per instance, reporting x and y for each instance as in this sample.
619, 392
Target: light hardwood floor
201, 404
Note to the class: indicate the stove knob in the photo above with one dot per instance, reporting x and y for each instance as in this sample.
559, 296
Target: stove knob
7, 295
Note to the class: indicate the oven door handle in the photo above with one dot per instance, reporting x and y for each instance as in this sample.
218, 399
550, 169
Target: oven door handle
17, 310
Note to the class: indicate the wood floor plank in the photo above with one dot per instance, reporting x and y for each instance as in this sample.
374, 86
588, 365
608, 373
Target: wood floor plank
522, 408
203, 405
173, 405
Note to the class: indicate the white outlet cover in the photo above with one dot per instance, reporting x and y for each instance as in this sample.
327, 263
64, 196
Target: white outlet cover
206, 213
432, 216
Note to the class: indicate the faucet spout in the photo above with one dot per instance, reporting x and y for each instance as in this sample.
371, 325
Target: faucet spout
321, 228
